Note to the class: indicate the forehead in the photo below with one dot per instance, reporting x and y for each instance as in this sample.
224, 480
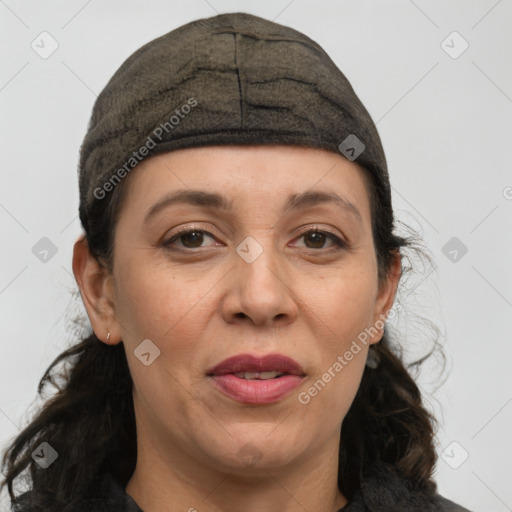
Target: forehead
274, 176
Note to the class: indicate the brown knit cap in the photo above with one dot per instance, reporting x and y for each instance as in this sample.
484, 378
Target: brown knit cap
230, 79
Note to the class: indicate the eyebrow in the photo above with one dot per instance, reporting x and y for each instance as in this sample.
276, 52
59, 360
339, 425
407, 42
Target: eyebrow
219, 202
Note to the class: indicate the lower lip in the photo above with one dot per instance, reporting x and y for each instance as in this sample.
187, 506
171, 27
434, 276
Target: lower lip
256, 391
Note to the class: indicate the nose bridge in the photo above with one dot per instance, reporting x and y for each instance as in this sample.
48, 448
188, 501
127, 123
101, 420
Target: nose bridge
264, 292
257, 262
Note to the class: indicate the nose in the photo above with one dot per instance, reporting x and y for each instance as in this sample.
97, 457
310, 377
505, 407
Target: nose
260, 291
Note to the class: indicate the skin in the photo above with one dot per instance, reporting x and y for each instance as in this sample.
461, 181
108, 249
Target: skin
303, 296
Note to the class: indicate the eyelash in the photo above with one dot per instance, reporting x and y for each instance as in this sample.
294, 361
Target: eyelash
184, 231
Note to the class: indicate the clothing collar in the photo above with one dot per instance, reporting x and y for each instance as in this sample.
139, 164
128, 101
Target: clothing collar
382, 490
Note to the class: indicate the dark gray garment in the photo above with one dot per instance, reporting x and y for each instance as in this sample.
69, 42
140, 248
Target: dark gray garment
382, 491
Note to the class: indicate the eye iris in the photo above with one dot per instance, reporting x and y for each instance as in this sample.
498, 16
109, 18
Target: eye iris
196, 237
317, 237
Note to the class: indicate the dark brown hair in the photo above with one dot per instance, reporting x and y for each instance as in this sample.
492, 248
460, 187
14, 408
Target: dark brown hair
90, 420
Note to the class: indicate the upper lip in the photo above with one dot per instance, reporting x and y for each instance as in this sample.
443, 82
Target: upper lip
249, 363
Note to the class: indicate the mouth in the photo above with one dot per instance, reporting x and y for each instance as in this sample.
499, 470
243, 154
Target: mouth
256, 380
259, 375
250, 367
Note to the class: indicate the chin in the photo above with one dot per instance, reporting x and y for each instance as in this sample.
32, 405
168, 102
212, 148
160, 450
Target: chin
253, 452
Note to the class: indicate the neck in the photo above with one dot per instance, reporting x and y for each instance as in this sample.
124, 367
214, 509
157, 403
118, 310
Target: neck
176, 482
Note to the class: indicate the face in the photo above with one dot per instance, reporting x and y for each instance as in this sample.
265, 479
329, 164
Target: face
276, 267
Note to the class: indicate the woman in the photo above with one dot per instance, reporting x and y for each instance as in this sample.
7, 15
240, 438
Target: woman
237, 267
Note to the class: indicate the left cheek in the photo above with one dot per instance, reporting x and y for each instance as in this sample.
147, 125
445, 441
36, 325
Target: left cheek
348, 311
344, 372
332, 393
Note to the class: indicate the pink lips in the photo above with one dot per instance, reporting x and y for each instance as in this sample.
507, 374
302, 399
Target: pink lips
256, 391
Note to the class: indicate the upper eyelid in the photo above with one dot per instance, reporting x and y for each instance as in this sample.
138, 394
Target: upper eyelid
302, 232
306, 229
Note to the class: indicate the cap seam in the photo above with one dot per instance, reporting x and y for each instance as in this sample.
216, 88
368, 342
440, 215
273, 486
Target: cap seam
265, 37
240, 87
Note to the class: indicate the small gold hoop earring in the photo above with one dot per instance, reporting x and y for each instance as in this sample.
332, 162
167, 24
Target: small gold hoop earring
108, 335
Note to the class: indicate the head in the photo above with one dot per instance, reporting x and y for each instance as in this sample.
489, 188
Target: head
260, 260
309, 287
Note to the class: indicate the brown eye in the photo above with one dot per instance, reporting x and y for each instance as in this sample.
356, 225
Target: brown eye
191, 239
317, 238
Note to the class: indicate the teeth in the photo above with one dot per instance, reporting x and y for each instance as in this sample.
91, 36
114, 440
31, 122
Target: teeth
247, 375
257, 375
268, 375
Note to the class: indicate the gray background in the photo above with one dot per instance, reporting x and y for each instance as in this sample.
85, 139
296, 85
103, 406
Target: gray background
446, 124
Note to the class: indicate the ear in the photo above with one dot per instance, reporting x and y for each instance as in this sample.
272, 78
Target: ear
97, 291
386, 297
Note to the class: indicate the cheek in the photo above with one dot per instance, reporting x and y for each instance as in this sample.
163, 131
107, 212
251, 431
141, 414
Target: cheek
162, 304
172, 310
345, 303
345, 307
175, 307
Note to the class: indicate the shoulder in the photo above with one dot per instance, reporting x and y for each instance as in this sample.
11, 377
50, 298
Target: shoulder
383, 490
105, 494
